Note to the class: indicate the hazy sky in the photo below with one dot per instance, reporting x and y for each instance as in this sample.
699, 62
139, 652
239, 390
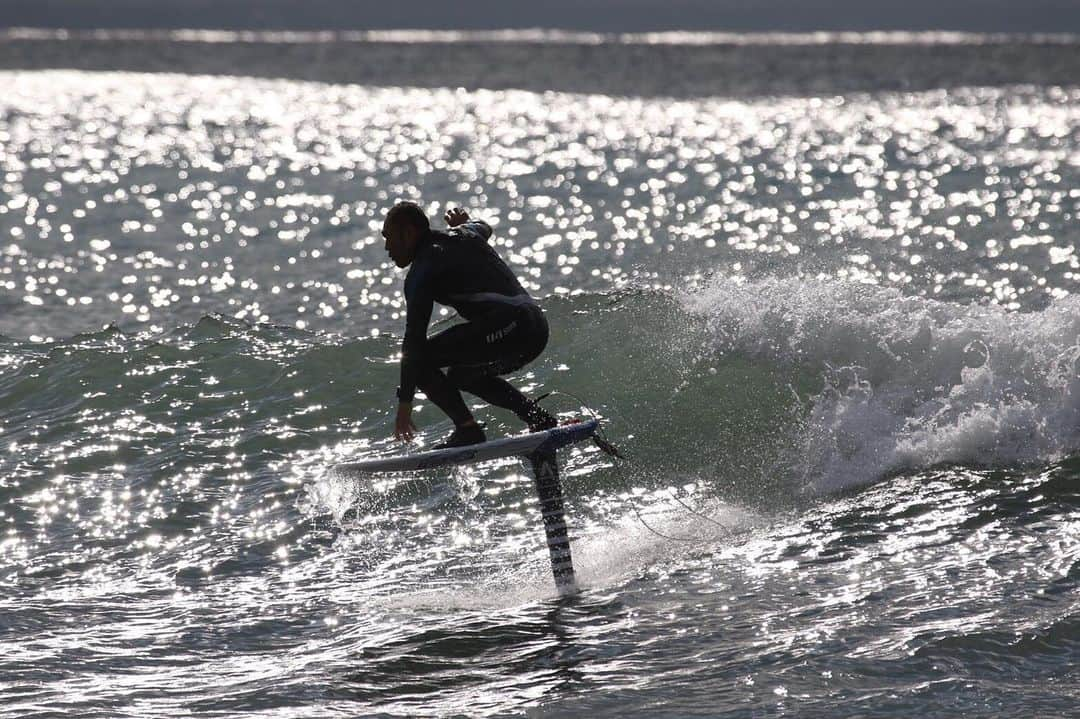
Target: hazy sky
592, 15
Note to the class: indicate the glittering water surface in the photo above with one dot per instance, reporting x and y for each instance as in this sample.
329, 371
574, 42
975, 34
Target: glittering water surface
836, 336
156, 199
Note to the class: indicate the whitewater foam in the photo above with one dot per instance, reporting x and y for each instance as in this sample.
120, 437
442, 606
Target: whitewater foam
907, 382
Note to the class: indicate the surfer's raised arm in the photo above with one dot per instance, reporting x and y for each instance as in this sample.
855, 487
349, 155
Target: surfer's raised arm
504, 328
457, 217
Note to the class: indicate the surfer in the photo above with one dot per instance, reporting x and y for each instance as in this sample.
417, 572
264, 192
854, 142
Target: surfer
504, 328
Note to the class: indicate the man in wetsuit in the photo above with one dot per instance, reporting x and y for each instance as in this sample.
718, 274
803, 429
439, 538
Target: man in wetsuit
504, 328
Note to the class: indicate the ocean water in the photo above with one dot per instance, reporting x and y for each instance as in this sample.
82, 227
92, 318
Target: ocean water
836, 334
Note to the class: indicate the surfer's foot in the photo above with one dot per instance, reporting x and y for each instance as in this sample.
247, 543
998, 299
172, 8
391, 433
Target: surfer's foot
463, 436
539, 419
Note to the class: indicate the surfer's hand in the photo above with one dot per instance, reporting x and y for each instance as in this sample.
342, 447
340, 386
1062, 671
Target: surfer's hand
456, 216
404, 429
403, 423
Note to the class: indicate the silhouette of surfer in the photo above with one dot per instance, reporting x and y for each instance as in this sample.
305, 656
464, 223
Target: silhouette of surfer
504, 327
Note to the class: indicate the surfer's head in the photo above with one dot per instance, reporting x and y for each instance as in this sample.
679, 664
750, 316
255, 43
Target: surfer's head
405, 225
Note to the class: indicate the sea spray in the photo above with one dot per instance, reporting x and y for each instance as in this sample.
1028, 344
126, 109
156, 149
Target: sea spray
906, 382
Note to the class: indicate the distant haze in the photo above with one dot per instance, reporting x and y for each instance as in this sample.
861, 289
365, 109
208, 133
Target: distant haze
1019, 16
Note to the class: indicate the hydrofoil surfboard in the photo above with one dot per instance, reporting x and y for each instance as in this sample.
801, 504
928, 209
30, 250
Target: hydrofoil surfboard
522, 445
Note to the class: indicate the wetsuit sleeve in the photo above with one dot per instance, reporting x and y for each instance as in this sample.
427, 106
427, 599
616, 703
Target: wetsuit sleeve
477, 227
418, 305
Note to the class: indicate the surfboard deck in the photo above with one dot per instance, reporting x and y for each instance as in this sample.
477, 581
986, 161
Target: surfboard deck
514, 446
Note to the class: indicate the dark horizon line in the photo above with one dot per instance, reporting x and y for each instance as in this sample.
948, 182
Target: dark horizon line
599, 16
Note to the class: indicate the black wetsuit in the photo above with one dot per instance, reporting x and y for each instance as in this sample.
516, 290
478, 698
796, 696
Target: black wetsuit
504, 329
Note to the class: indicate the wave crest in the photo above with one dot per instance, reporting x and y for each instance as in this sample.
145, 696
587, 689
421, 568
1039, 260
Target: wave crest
907, 382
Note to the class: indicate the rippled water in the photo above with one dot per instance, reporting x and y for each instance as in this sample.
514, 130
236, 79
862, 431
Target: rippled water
837, 337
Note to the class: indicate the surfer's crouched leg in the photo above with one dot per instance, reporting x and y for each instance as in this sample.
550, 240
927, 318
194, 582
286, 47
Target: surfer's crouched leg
476, 353
444, 395
500, 393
